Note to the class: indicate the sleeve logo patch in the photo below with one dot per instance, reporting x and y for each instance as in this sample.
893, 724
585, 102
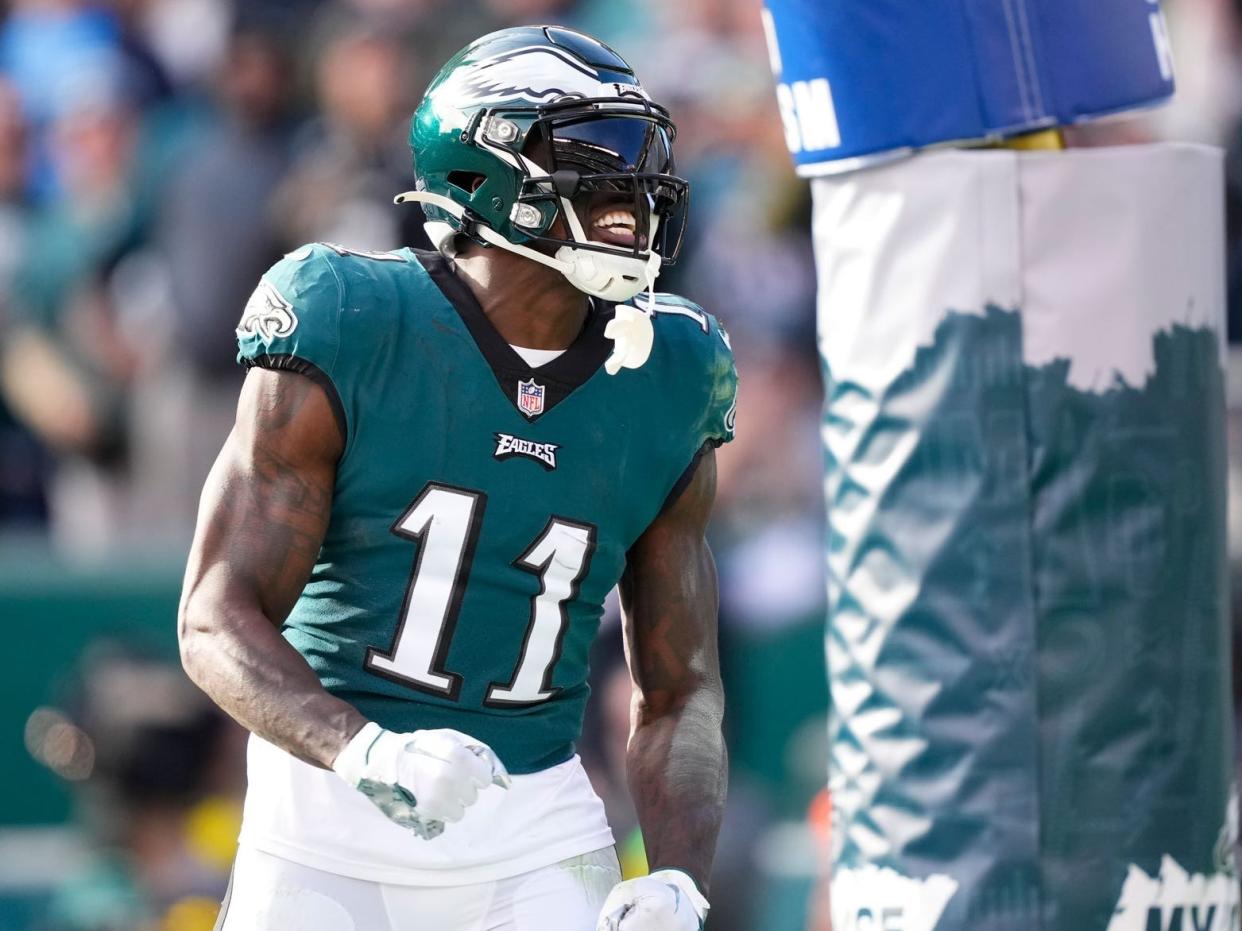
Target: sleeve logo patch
267, 315
508, 446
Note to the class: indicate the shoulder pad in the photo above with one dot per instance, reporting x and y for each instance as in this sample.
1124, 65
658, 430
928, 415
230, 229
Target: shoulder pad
700, 342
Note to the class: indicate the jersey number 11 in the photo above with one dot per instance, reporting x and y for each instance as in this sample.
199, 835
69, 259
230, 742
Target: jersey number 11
445, 521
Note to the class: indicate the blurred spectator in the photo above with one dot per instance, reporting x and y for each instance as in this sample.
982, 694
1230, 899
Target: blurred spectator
520, 12
187, 37
216, 231
24, 463
141, 748
403, 14
66, 365
355, 157
53, 49
214, 235
429, 30
61, 54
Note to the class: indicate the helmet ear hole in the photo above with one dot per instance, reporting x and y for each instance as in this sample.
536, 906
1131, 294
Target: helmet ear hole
468, 181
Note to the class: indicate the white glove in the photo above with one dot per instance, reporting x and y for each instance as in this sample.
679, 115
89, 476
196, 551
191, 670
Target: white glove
422, 779
667, 900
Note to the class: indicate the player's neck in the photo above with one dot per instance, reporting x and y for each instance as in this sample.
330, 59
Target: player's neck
529, 304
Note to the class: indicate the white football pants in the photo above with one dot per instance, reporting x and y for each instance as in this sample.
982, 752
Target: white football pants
268, 893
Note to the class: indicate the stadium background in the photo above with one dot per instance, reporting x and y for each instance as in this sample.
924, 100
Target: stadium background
155, 157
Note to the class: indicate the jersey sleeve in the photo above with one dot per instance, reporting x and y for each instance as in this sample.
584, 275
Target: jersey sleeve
702, 359
292, 321
721, 414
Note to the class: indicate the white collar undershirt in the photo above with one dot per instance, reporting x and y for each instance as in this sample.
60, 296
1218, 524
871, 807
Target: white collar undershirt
536, 357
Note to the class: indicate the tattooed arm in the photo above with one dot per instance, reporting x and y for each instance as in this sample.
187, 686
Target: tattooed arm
676, 759
261, 521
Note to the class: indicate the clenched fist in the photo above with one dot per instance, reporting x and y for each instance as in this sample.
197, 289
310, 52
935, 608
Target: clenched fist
422, 779
667, 900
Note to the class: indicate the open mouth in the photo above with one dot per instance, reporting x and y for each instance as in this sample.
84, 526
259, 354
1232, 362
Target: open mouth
615, 226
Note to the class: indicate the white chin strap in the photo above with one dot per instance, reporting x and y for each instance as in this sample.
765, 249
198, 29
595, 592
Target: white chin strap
614, 278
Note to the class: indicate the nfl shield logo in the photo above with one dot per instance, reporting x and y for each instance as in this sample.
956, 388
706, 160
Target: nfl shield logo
530, 398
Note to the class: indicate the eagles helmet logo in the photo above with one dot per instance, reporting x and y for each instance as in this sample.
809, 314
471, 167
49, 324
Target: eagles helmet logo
539, 74
267, 314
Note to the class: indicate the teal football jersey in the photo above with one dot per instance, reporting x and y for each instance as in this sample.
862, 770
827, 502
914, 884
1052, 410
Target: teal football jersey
482, 508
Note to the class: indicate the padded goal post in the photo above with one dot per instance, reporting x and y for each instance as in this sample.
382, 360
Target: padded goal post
1028, 635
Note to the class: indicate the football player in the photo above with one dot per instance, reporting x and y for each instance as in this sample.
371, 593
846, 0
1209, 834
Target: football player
442, 463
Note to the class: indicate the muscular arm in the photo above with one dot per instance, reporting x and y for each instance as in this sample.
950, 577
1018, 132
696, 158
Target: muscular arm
261, 521
676, 759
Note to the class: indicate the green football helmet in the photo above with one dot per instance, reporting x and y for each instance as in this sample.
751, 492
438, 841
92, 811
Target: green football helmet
523, 121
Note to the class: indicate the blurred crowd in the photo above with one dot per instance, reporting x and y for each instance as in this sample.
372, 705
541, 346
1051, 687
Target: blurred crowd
156, 156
